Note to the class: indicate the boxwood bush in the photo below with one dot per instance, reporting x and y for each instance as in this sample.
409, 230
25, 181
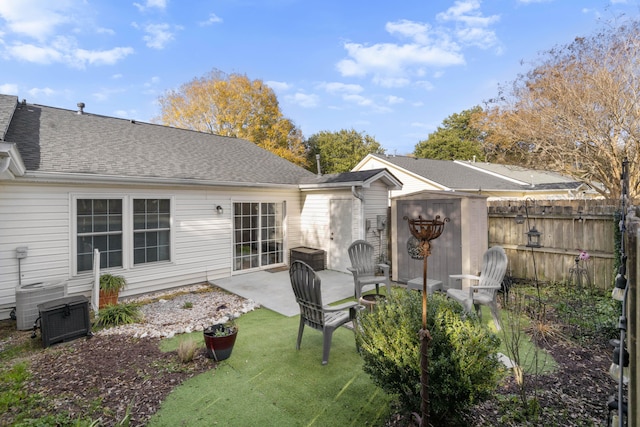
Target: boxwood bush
463, 363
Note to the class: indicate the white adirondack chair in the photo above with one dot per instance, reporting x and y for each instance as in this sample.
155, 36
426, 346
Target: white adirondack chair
494, 267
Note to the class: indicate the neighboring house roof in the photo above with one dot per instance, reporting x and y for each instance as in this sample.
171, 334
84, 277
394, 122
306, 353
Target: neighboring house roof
362, 178
460, 176
61, 143
532, 177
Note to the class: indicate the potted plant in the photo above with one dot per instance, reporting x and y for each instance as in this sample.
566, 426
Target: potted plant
219, 340
110, 286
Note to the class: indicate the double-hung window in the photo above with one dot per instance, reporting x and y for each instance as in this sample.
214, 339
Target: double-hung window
140, 234
99, 226
151, 230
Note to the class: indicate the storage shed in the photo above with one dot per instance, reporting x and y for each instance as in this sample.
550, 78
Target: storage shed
460, 247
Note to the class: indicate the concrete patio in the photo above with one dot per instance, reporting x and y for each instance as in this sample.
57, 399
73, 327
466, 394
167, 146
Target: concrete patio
272, 289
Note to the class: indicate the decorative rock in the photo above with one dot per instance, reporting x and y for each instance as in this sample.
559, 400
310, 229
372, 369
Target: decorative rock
167, 316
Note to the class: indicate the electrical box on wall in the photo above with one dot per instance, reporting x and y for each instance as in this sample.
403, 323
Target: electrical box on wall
381, 222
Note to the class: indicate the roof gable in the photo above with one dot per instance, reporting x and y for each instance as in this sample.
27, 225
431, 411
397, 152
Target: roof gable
457, 176
53, 140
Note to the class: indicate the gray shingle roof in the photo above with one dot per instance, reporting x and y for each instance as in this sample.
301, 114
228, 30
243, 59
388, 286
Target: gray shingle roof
58, 140
7, 107
463, 178
345, 177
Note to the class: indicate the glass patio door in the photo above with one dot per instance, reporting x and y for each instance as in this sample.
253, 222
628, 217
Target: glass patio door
258, 235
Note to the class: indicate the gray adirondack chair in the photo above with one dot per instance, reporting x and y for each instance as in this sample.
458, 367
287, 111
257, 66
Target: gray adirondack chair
363, 268
307, 289
494, 267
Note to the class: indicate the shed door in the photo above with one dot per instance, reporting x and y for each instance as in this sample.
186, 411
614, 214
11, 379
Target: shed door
446, 250
339, 234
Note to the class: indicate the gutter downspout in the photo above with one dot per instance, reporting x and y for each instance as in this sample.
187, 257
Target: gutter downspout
4, 164
363, 226
355, 193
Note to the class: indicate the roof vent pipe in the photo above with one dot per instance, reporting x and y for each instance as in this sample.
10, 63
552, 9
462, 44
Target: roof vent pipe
80, 107
318, 164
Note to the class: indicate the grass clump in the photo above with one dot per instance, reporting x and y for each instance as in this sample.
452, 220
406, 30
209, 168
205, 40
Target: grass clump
463, 364
187, 349
119, 314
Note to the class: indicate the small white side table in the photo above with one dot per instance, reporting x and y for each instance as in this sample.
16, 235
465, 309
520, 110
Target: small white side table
432, 285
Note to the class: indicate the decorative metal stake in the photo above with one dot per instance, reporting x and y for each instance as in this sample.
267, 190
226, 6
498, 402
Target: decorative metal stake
425, 230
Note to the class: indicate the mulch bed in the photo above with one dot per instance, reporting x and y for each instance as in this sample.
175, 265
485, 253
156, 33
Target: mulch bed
108, 377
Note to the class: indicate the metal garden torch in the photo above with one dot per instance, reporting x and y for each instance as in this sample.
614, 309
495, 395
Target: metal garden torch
425, 230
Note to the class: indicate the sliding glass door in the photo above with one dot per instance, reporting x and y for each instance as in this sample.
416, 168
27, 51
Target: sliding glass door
258, 235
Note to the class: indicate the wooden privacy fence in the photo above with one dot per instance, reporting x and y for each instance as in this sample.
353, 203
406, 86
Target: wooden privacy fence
567, 227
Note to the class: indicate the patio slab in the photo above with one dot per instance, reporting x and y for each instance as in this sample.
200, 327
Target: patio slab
273, 289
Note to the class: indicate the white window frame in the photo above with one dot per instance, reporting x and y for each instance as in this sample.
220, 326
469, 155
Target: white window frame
127, 230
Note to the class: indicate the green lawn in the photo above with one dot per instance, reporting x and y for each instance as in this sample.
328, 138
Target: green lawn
266, 381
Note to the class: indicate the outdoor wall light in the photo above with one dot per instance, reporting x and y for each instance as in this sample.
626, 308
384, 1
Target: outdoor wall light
219, 210
533, 238
519, 219
614, 370
621, 281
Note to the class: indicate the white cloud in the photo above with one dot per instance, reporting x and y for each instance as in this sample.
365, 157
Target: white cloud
64, 50
9, 89
303, 99
471, 26
424, 84
425, 47
37, 19
105, 94
38, 92
149, 4
213, 19
125, 114
392, 99
391, 82
102, 57
117, 76
157, 35
152, 81
337, 88
32, 53
282, 86
108, 31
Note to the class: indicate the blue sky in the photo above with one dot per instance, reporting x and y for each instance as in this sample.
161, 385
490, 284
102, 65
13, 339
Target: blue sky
392, 69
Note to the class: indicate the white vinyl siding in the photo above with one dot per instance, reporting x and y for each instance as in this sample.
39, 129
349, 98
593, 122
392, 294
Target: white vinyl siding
41, 217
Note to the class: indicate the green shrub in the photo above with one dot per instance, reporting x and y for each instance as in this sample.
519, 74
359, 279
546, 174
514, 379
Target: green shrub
119, 314
463, 363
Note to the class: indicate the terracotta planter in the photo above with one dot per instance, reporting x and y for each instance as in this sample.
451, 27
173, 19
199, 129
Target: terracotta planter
107, 298
219, 347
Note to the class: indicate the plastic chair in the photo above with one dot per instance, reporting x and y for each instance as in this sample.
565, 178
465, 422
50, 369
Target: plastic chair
494, 267
363, 268
307, 289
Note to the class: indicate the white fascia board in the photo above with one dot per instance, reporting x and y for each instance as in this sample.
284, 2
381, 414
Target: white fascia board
16, 165
81, 178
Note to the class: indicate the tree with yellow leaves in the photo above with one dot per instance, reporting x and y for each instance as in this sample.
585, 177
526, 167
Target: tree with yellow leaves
233, 105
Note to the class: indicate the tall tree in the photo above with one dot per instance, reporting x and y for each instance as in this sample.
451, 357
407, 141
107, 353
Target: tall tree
577, 111
456, 139
233, 105
340, 151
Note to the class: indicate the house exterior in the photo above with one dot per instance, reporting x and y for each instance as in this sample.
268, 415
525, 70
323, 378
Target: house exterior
491, 180
166, 207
